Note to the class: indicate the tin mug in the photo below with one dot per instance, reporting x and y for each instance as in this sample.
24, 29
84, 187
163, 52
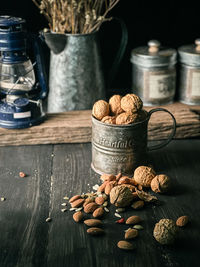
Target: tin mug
122, 148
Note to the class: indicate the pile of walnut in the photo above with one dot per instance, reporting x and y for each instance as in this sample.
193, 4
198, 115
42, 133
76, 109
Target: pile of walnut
120, 110
123, 191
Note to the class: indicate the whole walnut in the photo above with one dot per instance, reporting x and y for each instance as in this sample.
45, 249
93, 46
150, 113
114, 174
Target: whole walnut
115, 104
165, 231
143, 175
131, 103
100, 109
121, 196
161, 183
126, 118
109, 119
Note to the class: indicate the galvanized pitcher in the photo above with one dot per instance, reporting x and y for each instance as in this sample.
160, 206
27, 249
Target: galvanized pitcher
122, 148
76, 74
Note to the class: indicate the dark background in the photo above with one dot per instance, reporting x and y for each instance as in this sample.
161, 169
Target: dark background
171, 25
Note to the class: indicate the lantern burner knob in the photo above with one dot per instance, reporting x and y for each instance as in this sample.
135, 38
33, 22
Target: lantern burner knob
153, 46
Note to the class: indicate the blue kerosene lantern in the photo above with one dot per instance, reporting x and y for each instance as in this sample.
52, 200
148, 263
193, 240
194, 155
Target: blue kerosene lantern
22, 84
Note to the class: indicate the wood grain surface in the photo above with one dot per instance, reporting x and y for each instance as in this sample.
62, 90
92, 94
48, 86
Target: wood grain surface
75, 127
27, 240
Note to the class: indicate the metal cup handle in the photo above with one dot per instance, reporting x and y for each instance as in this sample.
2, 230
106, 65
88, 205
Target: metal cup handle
172, 134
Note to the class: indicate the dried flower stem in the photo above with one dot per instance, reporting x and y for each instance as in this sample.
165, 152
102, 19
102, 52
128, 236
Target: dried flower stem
75, 16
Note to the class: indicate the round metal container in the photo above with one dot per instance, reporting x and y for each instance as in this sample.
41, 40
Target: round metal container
189, 74
122, 148
154, 73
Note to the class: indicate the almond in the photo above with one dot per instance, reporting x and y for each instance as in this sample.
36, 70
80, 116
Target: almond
124, 180
102, 187
138, 204
133, 220
131, 233
78, 216
77, 203
108, 177
108, 188
95, 231
98, 212
99, 200
125, 245
90, 207
118, 176
74, 198
93, 222
88, 200
182, 221
139, 186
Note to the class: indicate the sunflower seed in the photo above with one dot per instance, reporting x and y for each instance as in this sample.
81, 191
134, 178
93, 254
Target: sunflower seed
48, 219
64, 204
3, 198
127, 230
63, 210
105, 204
120, 210
117, 215
79, 209
95, 187
138, 227
66, 198
72, 209
106, 209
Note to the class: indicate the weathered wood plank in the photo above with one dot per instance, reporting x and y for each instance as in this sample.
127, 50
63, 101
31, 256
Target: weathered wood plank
75, 127
23, 230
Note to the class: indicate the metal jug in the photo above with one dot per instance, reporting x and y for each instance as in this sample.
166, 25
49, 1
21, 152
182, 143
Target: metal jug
76, 74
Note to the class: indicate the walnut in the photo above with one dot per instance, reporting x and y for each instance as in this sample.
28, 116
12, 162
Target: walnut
126, 118
121, 196
100, 109
115, 104
131, 103
109, 119
165, 231
161, 183
143, 175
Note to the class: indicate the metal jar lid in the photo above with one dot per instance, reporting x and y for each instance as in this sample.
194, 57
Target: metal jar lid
153, 55
190, 54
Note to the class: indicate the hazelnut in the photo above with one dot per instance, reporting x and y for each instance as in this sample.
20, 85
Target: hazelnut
131, 103
100, 109
109, 119
126, 118
161, 183
165, 231
121, 196
115, 104
143, 175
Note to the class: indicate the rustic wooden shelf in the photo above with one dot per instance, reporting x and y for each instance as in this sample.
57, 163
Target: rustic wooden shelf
75, 127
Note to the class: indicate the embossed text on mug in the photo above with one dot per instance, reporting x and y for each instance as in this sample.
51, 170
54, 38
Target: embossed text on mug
116, 144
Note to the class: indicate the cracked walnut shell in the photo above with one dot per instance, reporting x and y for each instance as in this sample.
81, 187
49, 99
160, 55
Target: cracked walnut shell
161, 183
165, 231
131, 103
143, 175
121, 196
126, 118
100, 109
115, 104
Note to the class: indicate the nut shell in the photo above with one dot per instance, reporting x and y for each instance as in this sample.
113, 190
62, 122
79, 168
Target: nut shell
126, 118
115, 104
143, 175
182, 221
121, 196
100, 109
165, 231
161, 183
131, 103
109, 119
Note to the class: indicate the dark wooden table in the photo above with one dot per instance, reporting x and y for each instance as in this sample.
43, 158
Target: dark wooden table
27, 240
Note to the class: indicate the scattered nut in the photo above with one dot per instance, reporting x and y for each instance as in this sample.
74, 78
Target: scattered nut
121, 196
143, 175
92, 222
74, 198
99, 200
133, 220
161, 183
165, 231
125, 245
90, 208
108, 177
95, 231
138, 205
77, 203
131, 233
98, 212
100, 109
182, 221
78, 216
